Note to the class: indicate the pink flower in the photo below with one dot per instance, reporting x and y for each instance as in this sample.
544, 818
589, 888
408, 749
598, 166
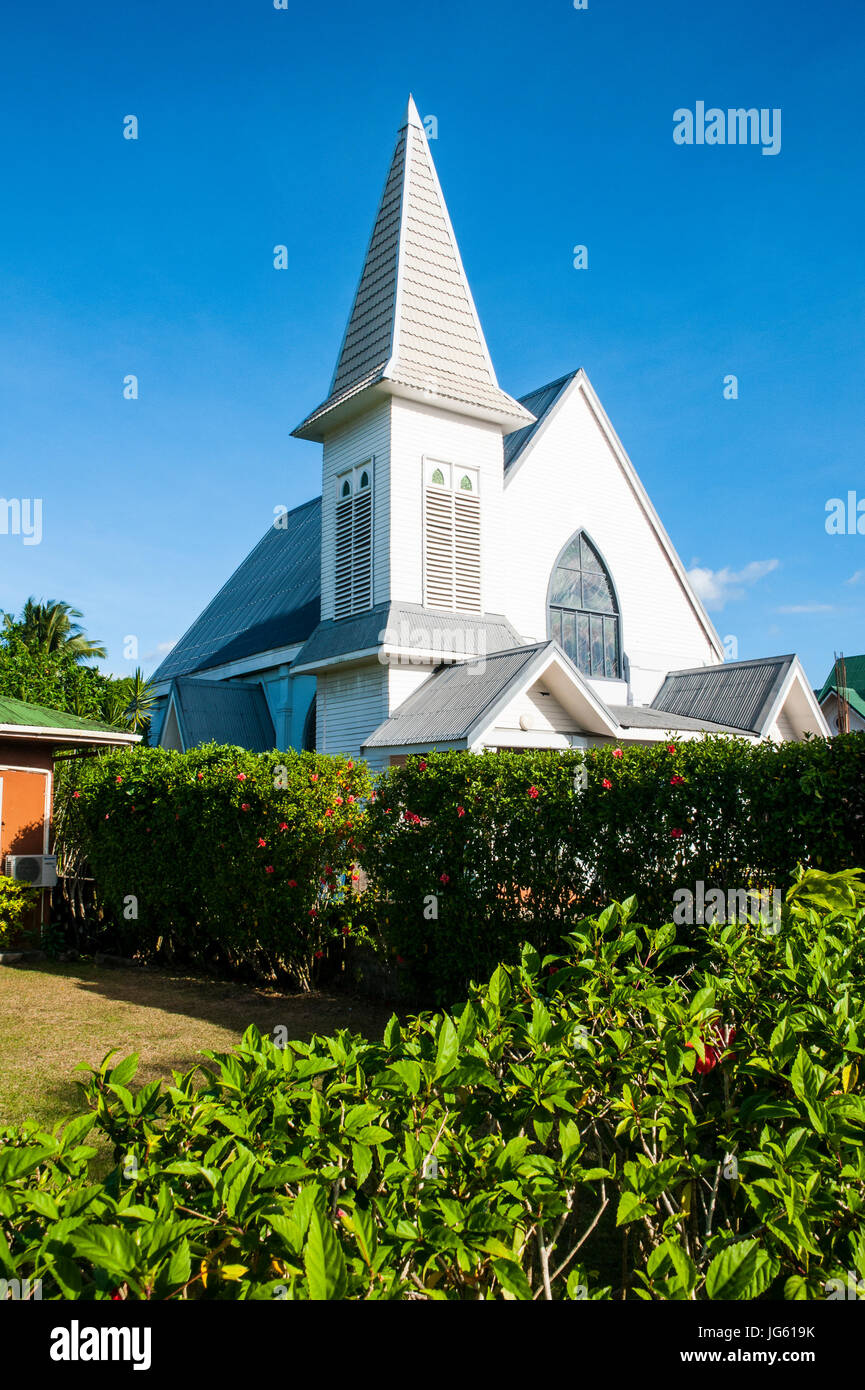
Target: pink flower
244, 806
337, 800
676, 834
533, 793
106, 815
617, 753
460, 811
607, 783
241, 776
350, 800
676, 781
444, 878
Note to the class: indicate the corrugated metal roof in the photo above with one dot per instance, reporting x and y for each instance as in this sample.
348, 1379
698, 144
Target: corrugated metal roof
414, 321
20, 713
854, 691
738, 694
540, 402
272, 600
412, 626
644, 717
233, 713
448, 704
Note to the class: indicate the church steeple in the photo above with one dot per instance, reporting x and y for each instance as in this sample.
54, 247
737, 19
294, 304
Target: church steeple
413, 330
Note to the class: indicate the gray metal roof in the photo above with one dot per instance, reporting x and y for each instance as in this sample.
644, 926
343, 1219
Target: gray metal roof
446, 706
540, 402
272, 600
234, 713
412, 626
738, 694
645, 717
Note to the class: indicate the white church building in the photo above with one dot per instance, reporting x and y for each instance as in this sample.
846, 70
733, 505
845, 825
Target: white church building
479, 571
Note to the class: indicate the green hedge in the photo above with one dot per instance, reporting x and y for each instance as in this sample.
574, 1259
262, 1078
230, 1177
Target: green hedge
472, 854
588, 1126
220, 856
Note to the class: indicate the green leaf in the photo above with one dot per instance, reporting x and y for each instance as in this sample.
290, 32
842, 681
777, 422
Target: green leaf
631, 1206
124, 1071
362, 1159
742, 1271
448, 1048
324, 1261
512, 1279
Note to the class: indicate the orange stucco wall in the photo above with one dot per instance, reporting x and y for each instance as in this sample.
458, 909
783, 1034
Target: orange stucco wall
24, 770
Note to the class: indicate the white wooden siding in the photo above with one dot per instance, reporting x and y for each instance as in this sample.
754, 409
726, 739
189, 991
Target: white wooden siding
349, 705
366, 437
541, 711
572, 479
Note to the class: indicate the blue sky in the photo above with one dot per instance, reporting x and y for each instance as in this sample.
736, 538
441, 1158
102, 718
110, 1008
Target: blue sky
260, 126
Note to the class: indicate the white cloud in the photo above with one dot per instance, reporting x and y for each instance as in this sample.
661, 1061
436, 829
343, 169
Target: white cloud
856, 578
807, 608
719, 587
161, 649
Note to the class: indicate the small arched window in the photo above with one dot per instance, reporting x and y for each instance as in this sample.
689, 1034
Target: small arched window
584, 613
466, 483
438, 477
364, 480
346, 489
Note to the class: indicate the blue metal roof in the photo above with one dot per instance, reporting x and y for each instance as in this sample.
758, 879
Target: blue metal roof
540, 402
272, 600
230, 712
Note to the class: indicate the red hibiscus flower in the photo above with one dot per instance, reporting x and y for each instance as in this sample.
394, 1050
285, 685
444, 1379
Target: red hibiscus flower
244, 806
312, 912
338, 800
319, 954
313, 777
292, 883
444, 878
350, 764
200, 776
268, 868
676, 834
533, 793
261, 843
607, 783
460, 811
241, 776
76, 794
421, 766
346, 931
283, 825
671, 747
350, 800
617, 753
676, 781
118, 780
328, 812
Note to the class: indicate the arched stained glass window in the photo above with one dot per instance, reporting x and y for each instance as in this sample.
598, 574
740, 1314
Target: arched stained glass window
466, 483
438, 478
584, 614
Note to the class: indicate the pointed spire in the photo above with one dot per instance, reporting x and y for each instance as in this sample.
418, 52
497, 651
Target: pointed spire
413, 329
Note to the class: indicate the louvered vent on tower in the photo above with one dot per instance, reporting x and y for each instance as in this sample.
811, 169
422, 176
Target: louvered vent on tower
452, 539
353, 542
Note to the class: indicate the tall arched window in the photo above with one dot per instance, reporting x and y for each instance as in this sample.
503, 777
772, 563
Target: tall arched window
584, 613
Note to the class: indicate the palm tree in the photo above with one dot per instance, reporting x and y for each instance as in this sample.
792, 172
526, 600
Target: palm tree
49, 627
140, 704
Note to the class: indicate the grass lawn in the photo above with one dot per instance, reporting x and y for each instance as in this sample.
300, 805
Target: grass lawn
54, 1016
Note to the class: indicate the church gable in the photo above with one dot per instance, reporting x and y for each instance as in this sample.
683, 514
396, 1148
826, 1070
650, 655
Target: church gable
571, 476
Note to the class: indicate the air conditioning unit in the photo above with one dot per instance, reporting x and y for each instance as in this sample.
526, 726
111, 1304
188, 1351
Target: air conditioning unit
37, 870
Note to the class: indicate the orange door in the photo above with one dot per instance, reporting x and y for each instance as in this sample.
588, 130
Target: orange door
24, 817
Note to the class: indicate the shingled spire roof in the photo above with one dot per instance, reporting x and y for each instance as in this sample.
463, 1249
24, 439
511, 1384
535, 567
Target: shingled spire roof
413, 328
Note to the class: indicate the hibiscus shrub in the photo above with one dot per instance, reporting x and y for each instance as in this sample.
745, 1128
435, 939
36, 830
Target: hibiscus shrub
614, 1121
220, 856
469, 855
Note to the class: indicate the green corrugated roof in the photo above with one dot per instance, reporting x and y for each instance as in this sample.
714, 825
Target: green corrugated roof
37, 716
854, 691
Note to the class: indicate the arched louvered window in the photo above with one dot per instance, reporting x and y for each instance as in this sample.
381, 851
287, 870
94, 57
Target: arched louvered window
584, 611
353, 543
452, 538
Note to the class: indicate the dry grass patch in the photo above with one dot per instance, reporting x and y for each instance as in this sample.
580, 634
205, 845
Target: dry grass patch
54, 1016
